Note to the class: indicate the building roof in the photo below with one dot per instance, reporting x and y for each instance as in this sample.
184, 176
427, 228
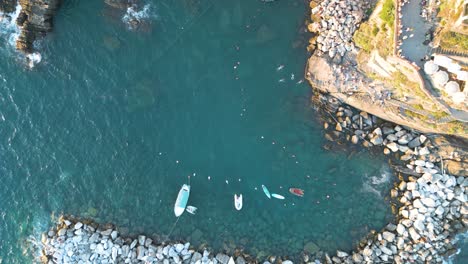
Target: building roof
441, 78
453, 67
462, 76
430, 67
452, 87
458, 97
442, 61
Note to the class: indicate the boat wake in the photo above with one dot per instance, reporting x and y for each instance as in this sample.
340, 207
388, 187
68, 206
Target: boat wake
377, 184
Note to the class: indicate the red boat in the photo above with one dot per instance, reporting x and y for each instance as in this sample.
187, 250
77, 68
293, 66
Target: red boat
297, 191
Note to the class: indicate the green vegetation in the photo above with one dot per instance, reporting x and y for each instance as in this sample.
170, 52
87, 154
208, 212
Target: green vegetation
414, 115
448, 13
377, 34
363, 37
440, 114
453, 40
457, 127
388, 13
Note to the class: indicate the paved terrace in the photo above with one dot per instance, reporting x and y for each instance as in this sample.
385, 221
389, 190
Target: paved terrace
412, 47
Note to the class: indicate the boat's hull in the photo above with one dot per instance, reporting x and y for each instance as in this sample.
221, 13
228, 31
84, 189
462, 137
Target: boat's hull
182, 199
296, 191
265, 190
277, 196
238, 202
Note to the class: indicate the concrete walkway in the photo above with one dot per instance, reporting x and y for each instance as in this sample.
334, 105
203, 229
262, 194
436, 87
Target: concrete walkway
412, 47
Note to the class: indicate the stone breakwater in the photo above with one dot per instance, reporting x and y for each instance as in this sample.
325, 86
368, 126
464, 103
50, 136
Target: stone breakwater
432, 209
338, 21
73, 241
433, 204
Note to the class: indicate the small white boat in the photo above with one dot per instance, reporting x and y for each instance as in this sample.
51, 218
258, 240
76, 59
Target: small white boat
182, 199
277, 196
191, 209
238, 201
265, 190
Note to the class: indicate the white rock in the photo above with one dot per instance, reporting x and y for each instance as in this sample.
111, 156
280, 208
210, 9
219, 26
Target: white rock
424, 151
114, 234
428, 202
179, 247
421, 163
400, 229
78, 225
133, 244
141, 240
422, 138
418, 224
392, 146
414, 235
388, 236
386, 251
411, 186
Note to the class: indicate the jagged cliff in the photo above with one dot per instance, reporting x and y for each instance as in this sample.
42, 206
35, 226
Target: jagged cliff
35, 19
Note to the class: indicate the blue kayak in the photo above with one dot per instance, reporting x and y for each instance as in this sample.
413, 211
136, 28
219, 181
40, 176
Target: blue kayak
265, 190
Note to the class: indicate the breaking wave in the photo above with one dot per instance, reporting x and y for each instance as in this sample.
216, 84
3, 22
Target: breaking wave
135, 16
377, 184
9, 30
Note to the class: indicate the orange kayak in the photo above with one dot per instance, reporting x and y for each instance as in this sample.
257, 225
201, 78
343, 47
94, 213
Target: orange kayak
297, 191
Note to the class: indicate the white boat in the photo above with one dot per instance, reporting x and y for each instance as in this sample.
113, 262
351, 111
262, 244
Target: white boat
191, 209
277, 196
238, 201
182, 199
265, 190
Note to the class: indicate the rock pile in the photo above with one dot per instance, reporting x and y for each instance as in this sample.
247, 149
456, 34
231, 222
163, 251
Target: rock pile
434, 204
339, 20
7, 6
35, 21
85, 242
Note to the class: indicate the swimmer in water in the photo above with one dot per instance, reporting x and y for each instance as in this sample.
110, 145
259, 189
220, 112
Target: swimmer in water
281, 80
280, 67
292, 76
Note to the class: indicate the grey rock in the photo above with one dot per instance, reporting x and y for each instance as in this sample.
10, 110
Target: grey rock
223, 258
240, 260
141, 240
416, 142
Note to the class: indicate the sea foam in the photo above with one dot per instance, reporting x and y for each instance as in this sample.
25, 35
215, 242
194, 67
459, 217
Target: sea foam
9, 30
377, 183
134, 15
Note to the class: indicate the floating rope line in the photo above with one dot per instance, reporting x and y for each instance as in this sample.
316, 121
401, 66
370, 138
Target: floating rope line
175, 223
172, 229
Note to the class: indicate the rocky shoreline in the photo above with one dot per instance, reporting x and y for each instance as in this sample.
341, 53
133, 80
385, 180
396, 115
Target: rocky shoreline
431, 207
35, 20
433, 204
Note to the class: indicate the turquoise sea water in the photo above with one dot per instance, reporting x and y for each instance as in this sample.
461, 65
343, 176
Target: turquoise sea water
112, 122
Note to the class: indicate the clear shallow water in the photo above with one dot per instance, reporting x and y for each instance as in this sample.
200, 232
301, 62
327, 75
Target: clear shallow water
112, 121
